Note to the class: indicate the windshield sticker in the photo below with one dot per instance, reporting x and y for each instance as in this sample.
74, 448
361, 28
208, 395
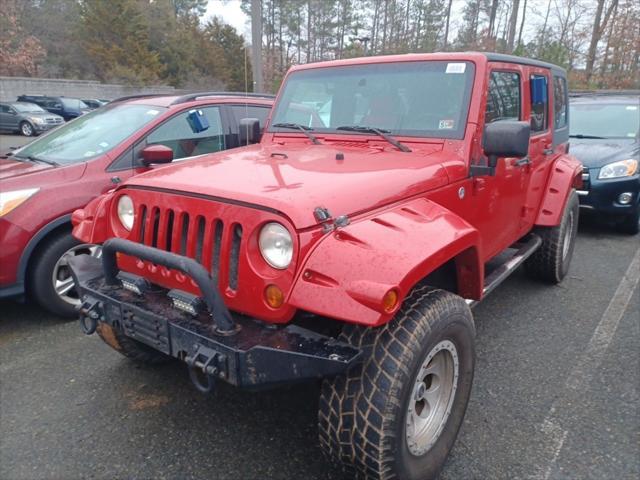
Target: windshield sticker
631, 107
103, 144
89, 153
456, 67
446, 124
152, 112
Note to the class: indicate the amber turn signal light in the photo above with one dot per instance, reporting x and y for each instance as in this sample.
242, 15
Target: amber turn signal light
390, 301
273, 296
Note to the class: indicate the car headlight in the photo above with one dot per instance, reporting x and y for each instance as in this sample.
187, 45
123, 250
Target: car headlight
37, 120
276, 245
125, 211
623, 168
11, 200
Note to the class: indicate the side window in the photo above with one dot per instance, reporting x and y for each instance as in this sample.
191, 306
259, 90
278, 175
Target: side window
503, 97
539, 103
250, 111
177, 134
559, 102
4, 109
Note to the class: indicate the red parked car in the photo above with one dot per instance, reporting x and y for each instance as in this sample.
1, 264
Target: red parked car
43, 182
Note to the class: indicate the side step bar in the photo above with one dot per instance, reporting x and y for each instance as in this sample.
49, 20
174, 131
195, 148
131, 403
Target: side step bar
525, 248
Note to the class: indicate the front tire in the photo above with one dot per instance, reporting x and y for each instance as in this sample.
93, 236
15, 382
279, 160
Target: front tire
550, 263
130, 348
27, 129
411, 394
50, 280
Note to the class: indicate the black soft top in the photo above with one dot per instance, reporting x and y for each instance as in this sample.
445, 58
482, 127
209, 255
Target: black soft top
501, 57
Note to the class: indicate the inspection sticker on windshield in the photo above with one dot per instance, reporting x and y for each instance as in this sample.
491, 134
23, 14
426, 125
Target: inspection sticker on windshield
456, 67
152, 112
631, 107
446, 124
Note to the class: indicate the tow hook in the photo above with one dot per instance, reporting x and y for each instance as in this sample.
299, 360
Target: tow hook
89, 316
204, 366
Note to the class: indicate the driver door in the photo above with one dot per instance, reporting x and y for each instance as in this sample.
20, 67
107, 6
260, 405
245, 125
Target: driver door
501, 198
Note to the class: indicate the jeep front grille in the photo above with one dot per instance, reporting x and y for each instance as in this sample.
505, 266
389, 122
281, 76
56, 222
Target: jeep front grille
194, 236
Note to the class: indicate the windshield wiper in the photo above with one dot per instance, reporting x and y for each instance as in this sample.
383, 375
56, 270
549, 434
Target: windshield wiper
33, 158
296, 126
378, 131
580, 135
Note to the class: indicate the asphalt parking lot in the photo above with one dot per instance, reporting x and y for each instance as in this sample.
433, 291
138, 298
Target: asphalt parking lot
8, 140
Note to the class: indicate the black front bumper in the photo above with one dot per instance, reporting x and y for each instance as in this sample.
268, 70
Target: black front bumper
253, 354
602, 195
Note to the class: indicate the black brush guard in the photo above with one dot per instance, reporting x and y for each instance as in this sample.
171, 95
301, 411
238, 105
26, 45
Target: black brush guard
216, 343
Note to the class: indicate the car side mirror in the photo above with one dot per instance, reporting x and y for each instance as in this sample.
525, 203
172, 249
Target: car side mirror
249, 131
154, 154
503, 139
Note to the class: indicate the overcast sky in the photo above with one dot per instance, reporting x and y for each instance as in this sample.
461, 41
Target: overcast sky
229, 11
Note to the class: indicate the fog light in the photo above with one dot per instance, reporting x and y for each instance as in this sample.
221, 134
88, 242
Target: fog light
133, 283
274, 296
390, 301
625, 198
186, 302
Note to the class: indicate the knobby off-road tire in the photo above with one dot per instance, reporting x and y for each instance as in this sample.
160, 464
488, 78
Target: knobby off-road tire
551, 261
366, 415
130, 348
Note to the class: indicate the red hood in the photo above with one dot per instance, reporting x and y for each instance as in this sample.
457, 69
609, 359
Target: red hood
26, 174
296, 178
10, 168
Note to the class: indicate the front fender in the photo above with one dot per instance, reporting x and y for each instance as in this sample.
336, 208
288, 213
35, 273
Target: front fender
566, 173
349, 272
91, 223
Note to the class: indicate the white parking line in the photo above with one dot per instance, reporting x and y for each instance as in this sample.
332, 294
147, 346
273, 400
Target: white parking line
581, 375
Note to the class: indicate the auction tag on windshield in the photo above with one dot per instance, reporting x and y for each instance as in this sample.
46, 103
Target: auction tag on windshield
456, 67
446, 124
631, 107
152, 112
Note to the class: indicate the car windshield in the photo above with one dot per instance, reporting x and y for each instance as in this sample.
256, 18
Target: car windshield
91, 135
425, 99
73, 103
27, 108
605, 120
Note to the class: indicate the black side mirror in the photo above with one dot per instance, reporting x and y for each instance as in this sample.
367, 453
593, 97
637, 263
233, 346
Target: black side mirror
249, 131
503, 139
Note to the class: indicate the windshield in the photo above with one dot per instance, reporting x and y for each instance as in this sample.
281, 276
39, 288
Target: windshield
425, 99
90, 135
605, 120
73, 103
27, 108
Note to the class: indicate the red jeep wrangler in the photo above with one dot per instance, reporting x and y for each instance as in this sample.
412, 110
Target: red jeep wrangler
386, 197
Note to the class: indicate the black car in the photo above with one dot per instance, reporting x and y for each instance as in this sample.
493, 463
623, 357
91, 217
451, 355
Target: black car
27, 118
67, 107
94, 103
605, 137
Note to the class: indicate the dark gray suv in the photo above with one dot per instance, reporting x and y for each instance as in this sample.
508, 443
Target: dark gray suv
27, 118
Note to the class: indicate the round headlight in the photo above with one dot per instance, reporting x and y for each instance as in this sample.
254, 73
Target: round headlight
125, 211
276, 245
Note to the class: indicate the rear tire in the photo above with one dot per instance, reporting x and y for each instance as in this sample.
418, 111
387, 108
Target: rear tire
631, 223
374, 424
551, 261
130, 348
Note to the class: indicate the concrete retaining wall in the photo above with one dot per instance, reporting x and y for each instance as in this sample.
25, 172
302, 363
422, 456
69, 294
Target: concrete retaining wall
11, 87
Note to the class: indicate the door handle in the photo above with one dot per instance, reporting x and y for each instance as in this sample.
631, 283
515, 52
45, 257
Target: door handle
522, 162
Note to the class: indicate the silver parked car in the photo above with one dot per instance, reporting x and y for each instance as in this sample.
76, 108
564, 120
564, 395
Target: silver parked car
27, 118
